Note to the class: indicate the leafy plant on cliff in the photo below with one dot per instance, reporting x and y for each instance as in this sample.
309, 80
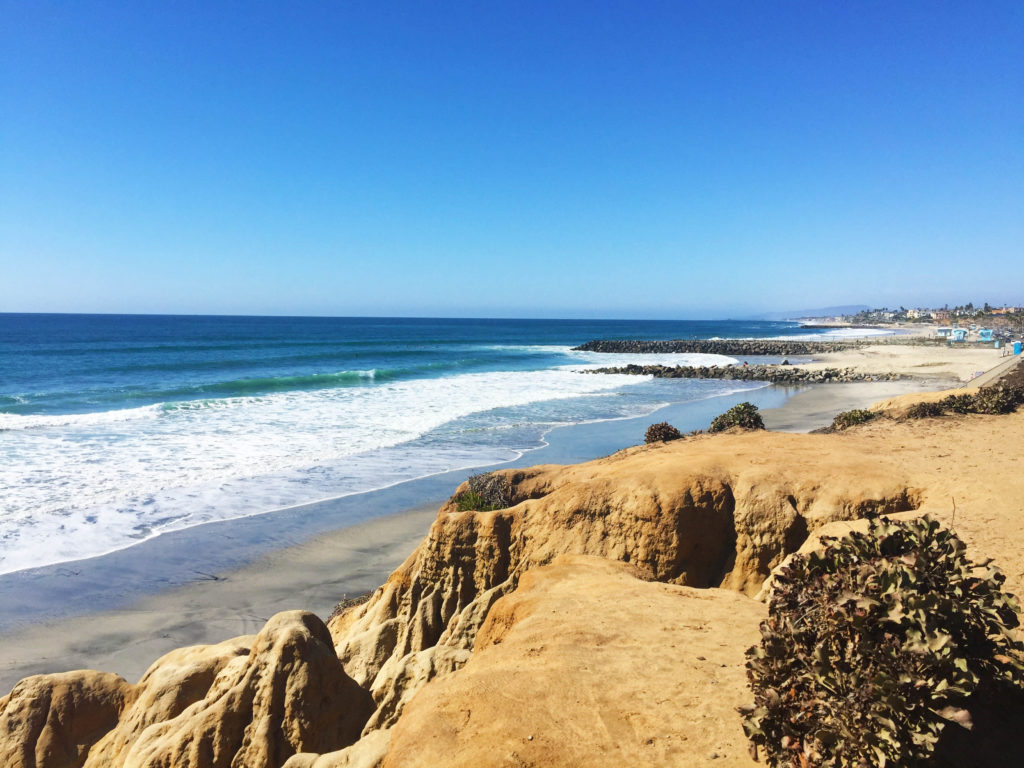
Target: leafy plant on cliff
744, 415
872, 646
924, 411
848, 419
958, 403
486, 492
997, 399
661, 432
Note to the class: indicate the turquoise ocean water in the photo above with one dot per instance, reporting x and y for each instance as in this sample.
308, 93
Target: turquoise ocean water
114, 429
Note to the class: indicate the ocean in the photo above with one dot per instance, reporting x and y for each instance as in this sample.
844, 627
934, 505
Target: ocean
116, 428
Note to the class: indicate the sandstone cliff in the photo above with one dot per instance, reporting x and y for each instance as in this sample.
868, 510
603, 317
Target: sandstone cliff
534, 629
250, 702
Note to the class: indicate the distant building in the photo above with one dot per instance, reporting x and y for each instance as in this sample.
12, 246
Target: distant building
918, 314
1005, 310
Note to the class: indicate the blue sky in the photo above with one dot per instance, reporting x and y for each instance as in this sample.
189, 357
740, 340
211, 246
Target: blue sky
548, 159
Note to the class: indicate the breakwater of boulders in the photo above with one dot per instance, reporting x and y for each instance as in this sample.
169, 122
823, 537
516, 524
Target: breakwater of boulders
777, 374
719, 346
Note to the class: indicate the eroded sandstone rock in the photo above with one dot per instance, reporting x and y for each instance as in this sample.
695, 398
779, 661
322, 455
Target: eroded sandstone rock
587, 665
173, 683
51, 721
706, 512
250, 702
288, 695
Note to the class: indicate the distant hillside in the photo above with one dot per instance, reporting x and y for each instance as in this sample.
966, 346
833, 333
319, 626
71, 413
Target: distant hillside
795, 314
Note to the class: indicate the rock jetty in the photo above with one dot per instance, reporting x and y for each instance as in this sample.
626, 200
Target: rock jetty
777, 374
718, 346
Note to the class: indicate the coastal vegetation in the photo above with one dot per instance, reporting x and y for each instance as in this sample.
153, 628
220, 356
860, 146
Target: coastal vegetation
662, 432
486, 492
996, 399
851, 418
744, 415
875, 644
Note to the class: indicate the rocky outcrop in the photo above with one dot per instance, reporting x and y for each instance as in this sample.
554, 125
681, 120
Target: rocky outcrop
743, 347
173, 683
587, 664
51, 721
704, 512
246, 703
778, 374
289, 694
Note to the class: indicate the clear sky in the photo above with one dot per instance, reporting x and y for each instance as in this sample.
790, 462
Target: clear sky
546, 159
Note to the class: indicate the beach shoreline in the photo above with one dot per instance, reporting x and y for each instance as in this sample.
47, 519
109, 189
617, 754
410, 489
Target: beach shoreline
213, 581
281, 565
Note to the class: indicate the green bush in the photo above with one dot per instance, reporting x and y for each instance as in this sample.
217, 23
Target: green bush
487, 492
743, 415
848, 419
662, 432
998, 399
872, 647
991, 400
925, 411
957, 404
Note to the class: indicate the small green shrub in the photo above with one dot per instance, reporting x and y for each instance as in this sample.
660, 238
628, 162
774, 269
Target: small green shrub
487, 492
997, 400
872, 646
744, 415
957, 404
924, 411
347, 602
661, 432
848, 419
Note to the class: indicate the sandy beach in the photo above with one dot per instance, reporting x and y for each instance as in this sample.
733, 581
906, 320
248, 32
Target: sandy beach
312, 576
960, 363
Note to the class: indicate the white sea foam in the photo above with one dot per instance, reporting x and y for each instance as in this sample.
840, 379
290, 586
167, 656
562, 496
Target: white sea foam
13, 421
836, 334
81, 485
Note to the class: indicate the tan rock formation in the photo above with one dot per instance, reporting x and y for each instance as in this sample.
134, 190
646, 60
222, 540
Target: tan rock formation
587, 665
173, 683
51, 721
289, 694
707, 512
368, 752
251, 702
